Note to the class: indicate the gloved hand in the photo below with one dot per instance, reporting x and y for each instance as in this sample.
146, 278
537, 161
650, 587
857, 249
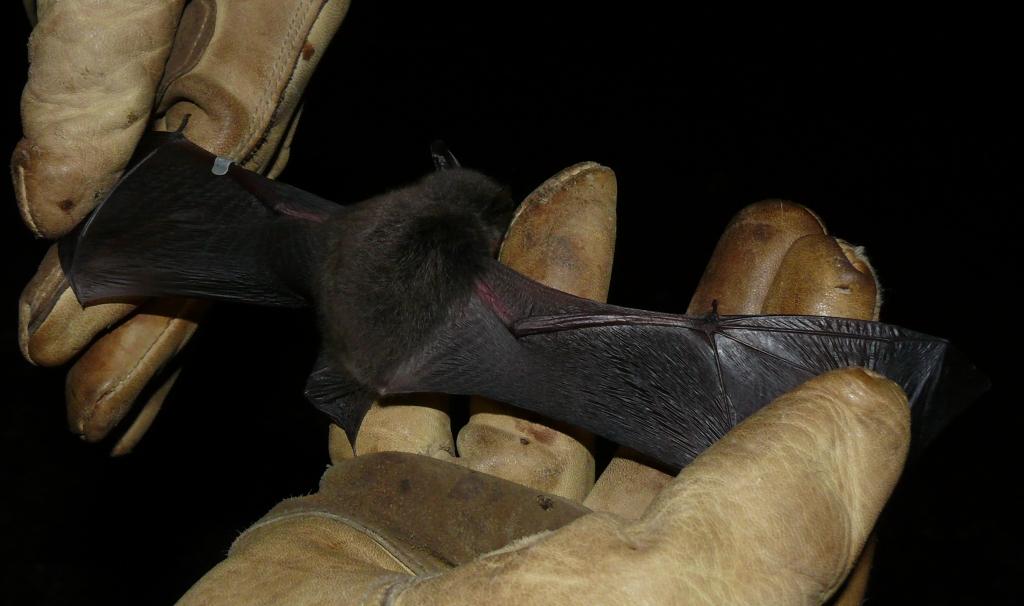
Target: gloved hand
775, 512
101, 73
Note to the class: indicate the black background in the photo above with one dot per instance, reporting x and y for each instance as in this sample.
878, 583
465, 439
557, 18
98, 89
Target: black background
900, 130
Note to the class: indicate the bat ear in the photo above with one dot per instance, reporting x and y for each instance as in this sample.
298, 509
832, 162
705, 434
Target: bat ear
442, 156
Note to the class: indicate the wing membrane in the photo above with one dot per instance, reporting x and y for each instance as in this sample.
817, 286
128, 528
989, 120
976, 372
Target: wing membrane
172, 227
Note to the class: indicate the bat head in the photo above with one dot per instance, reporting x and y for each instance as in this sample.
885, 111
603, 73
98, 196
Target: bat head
464, 206
403, 262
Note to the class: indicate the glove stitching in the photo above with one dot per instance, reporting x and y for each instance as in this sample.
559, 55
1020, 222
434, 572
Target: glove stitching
382, 591
114, 389
289, 100
46, 298
396, 587
191, 59
385, 544
172, 323
277, 70
27, 212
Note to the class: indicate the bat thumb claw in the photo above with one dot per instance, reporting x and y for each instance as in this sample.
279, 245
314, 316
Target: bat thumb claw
442, 156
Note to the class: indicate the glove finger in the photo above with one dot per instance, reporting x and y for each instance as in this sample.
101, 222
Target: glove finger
627, 485
515, 445
241, 97
748, 256
95, 65
111, 374
145, 417
726, 530
417, 424
52, 326
823, 276
562, 235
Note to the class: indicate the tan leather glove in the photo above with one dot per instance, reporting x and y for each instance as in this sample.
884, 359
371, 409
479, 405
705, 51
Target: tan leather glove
101, 73
412, 529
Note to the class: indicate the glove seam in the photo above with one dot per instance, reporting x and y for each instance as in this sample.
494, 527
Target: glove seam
139, 361
396, 587
277, 70
188, 65
27, 213
377, 538
50, 292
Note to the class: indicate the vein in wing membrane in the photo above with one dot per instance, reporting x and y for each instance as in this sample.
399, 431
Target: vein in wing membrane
655, 385
810, 345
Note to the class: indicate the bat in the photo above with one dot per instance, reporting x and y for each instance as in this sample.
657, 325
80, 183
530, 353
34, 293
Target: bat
409, 298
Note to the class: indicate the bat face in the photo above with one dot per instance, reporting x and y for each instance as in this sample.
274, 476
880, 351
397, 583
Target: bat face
409, 299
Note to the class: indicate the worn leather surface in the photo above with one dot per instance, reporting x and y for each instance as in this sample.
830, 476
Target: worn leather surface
726, 531
563, 233
374, 514
237, 69
431, 514
416, 423
818, 277
627, 485
753, 246
774, 513
104, 382
94, 67
52, 326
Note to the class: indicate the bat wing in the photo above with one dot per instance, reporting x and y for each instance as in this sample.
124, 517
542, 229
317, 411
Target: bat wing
183, 222
336, 394
665, 385
938, 380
